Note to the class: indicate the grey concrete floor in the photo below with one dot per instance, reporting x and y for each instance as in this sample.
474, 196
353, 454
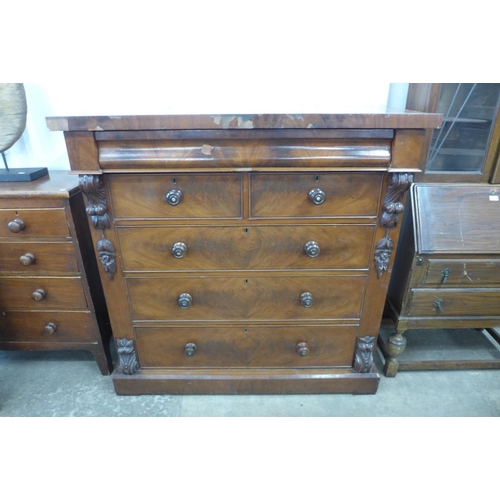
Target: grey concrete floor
67, 384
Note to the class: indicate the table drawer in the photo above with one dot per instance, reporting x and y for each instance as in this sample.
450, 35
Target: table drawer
247, 346
256, 298
453, 302
252, 247
50, 293
25, 223
202, 196
289, 195
462, 272
47, 327
37, 258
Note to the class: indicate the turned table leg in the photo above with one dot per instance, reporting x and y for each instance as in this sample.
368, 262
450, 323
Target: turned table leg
396, 344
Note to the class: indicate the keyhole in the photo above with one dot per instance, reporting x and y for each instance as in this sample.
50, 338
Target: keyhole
174, 181
246, 282
16, 212
317, 178
246, 230
246, 330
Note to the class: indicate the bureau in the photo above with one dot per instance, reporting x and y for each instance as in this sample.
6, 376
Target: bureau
51, 297
245, 254
447, 274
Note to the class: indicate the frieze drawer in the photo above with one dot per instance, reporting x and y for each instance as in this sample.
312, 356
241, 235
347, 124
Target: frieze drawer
466, 272
26, 223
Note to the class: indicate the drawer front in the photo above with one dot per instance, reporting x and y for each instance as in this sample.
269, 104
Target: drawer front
288, 195
47, 327
468, 272
253, 247
202, 196
467, 302
25, 223
53, 293
37, 258
246, 346
255, 298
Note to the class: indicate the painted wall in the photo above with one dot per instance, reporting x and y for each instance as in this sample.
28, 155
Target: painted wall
39, 147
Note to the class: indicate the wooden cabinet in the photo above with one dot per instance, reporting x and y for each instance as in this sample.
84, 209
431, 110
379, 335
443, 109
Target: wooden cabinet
447, 274
245, 254
50, 293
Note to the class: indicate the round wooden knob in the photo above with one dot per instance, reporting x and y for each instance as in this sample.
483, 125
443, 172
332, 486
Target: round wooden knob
38, 294
50, 328
179, 250
302, 349
317, 196
27, 259
312, 249
185, 300
16, 225
190, 349
306, 299
174, 197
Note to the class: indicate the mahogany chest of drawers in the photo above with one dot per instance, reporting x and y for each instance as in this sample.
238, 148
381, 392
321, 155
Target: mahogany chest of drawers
245, 254
51, 297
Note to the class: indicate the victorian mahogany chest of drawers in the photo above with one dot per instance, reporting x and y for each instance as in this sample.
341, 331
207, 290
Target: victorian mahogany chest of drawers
51, 297
245, 254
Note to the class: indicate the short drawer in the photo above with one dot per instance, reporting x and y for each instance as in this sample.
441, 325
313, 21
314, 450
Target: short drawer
252, 247
47, 327
37, 258
453, 302
467, 272
42, 293
315, 194
176, 196
23, 223
246, 346
220, 298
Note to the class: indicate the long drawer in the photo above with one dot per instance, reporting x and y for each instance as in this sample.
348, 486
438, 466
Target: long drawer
253, 247
246, 346
468, 272
24, 223
256, 298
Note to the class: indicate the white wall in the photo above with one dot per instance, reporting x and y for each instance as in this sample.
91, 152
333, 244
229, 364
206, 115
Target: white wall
38, 147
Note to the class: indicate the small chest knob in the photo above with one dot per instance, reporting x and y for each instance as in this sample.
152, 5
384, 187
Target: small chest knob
306, 299
312, 249
317, 196
27, 259
302, 349
38, 294
190, 349
49, 328
179, 250
185, 300
445, 272
438, 304
16, 226
174, 197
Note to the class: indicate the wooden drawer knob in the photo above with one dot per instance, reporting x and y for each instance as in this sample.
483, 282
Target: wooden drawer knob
302, 349
306, 299
38, 294
49, 328
185, 300
312, 249
174, 197
179, 250
445, 272
16, 225
438, 304
190, 349
317, 196
27, 259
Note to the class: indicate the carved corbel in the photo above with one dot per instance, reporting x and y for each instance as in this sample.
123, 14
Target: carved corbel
363, 355
97, 206
107, 256
383, 253
127, 356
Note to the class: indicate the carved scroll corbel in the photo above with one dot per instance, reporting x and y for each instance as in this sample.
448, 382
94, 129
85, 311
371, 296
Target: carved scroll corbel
127, 356
363, 355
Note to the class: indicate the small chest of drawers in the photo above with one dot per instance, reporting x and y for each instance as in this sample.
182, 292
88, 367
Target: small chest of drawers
50, 292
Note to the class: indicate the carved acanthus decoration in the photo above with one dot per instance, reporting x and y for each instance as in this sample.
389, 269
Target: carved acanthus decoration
97, 206
363, 356
128, 358
393, 202
107, 256
383, 252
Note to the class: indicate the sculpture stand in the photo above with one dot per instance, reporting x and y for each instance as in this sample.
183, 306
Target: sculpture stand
21, 174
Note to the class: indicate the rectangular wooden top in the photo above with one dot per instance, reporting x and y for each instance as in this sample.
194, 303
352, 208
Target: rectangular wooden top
378, 118
57, 184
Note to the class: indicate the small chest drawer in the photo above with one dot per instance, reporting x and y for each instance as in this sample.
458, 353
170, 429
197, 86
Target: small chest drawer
315, 195
176, 196
253, 247
467, 272
246, 346
23, 223
42, 293
220, 298
37, 258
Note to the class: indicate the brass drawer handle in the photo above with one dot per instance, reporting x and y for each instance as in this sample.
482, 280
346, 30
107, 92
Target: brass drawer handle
190, 349
49, 328
312, 249
306, 299
317, 196
185, 300
438, 304
179, 250
174, 197
38, 294
16, 225
27, 259
302, 349
445, 272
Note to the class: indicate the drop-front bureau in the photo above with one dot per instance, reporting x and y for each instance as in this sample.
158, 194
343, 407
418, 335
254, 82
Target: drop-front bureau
245, 254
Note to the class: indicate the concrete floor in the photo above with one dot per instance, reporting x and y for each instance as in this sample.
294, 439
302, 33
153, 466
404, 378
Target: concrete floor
64, 384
